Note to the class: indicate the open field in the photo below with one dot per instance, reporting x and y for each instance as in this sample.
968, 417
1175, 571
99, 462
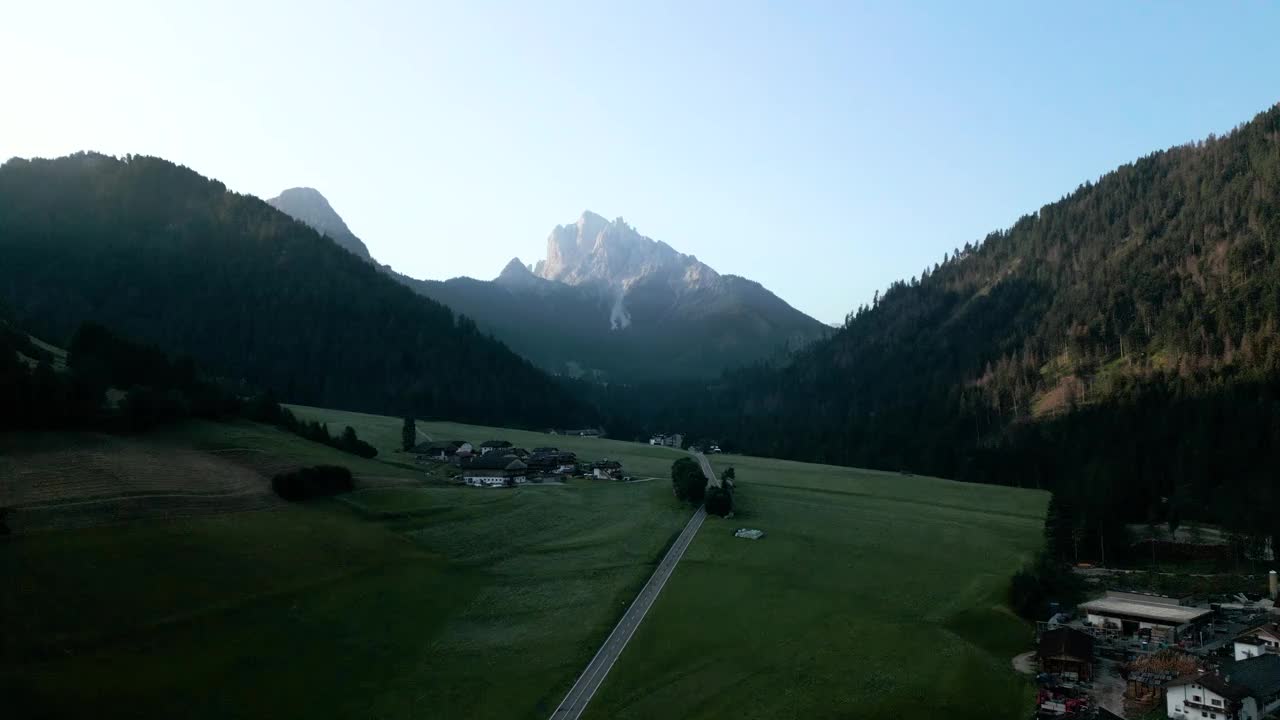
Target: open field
409, 601
873, 595
638, 460
80, 479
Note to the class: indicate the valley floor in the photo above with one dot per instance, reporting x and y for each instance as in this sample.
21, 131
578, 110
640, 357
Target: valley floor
427, 600
872, 594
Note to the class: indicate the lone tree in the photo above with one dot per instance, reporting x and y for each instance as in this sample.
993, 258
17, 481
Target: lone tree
408, 434
687, 480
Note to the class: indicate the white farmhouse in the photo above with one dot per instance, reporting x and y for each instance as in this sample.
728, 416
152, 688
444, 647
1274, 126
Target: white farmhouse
1240, 690
495, 470
1265, 639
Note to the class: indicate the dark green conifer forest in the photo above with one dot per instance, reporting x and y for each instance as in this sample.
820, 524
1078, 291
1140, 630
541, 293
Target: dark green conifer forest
1121, 347
158, 253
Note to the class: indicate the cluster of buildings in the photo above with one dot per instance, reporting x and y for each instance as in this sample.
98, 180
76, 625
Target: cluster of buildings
676, 440
1173, 658
498, 463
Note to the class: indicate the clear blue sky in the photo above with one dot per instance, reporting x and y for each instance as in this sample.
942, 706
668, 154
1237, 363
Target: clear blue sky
824, 149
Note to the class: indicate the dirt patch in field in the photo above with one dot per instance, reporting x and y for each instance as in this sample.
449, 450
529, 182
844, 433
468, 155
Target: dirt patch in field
260, 462
94, 479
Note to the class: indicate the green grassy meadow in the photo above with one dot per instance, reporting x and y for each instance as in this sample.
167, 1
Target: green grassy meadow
873, 595
408, 601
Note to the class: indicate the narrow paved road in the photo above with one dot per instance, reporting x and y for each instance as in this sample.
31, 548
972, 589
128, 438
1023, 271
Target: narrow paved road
573, 705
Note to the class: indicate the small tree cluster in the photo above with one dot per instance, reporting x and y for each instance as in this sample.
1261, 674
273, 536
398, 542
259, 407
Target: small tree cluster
312, 482
719, 500
687, 480
264, 408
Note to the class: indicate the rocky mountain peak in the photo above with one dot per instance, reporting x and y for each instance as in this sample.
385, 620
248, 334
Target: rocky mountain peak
517, 273
613, 254
308, 206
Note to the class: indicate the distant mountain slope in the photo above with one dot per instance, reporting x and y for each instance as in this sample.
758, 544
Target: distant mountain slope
612, 304
1102, 345
309, 206
167, 256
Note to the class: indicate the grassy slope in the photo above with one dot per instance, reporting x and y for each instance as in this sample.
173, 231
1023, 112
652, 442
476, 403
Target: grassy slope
873, 595
241, 439
274, 445
408, 601
384, 433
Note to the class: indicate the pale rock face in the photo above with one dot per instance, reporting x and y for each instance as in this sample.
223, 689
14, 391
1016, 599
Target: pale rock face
308, 206
614, 257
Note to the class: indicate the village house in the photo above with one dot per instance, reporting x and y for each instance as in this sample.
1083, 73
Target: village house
1066, 652
1264, 639
489, 446
607, 470
551, 461
440, 450
1165, 619
494, 470
675, 440
1239, 690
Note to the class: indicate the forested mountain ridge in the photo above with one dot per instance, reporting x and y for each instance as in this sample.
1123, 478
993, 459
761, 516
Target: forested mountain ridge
172, 258
1126, 305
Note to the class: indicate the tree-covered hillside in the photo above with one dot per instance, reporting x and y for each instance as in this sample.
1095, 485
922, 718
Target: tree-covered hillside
1121, 345
167, 256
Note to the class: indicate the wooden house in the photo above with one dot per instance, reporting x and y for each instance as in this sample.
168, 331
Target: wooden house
1066, 652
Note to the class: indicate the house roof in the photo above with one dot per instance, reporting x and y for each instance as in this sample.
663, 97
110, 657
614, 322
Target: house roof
607, 465
1157, 612
1216, 683
496, 444
1270, 629
494, 461
1065, 641
434, 446
1261, 674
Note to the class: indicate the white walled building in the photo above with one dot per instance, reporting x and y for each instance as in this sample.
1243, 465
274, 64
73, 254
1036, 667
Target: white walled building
1168, 619
1243, 690
1261, 640
494, 470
